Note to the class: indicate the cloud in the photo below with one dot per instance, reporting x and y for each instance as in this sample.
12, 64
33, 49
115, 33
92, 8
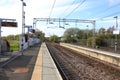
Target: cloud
113, 2
7, 2
11, 11
41, 9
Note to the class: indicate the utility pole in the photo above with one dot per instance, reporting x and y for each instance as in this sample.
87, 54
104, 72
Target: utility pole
93, 42
116, 17
23, 25
0, 36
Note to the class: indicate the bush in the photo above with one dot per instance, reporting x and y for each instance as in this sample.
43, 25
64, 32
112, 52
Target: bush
90, 41
14, 47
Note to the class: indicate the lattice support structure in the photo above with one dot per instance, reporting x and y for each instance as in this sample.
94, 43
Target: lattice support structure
59, 20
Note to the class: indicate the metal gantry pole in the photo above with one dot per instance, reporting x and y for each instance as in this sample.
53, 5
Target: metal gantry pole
116, 17
0, 36
22, 45
93, 42
34, 23
23, 25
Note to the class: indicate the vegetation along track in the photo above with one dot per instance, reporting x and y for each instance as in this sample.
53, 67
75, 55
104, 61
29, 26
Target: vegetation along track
77, 66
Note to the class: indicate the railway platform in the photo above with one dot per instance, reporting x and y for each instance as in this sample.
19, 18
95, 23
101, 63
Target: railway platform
8, 55
35, 64
110, 57
45, 68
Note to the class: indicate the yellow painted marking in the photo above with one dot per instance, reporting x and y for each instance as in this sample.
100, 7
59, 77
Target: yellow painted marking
37, 73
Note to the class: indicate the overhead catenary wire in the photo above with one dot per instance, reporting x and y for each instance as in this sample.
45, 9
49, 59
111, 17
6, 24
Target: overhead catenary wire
111, 15
73, 2
113, 6
52, 8
109, 8
75, 8
103, 11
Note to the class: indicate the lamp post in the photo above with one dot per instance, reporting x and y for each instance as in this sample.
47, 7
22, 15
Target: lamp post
23, 25
116, 17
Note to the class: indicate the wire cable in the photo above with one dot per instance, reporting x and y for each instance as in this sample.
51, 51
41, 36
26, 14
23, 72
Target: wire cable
113, 6
111, 15
52, 8
103, 11
75, 8
69, 7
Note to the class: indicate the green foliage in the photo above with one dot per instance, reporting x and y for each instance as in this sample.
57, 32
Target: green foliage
40, 35
71, 35
90, 41
80, 34
75, 34
14, 47
13, 41
84, 37
98, 41
11, 37
54, 38
102, 31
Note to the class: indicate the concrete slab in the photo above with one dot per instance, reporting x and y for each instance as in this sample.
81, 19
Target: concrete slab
45, 68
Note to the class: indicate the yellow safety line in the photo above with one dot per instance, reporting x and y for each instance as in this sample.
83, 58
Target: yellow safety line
37, 72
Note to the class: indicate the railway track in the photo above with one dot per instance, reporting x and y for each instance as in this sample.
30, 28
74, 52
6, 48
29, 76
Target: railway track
81, 67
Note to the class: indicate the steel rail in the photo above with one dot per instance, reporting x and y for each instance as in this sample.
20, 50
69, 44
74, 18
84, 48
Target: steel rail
58, 65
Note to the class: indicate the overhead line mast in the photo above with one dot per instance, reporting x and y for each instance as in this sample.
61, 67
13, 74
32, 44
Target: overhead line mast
93, 22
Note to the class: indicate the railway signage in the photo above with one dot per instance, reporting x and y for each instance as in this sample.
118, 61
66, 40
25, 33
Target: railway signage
8, 24
116, 32
28, 26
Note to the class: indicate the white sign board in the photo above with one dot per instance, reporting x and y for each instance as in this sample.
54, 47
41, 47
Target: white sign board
116, 32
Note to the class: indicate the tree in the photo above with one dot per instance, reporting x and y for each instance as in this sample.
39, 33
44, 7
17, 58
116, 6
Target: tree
80, 34
70, 35
102, 31
40, 35
110, 30
54, 38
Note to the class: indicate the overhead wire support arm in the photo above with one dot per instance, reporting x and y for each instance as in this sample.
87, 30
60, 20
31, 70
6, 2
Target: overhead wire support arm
93, 22
62, 20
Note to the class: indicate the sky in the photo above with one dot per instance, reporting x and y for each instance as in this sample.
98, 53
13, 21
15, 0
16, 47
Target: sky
102, 11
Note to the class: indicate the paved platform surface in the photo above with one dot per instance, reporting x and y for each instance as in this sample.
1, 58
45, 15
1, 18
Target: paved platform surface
22, 67
45, 68
7, 55
35, 64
